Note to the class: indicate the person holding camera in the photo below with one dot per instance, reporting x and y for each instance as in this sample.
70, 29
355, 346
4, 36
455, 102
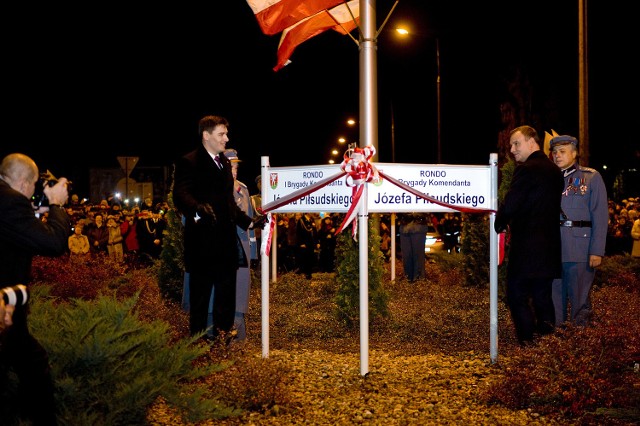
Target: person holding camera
23, 235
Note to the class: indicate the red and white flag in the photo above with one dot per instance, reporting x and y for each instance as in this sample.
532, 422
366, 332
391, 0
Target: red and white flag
340, 19
275, 15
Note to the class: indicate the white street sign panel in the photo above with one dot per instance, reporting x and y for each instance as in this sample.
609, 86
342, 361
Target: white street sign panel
459, 185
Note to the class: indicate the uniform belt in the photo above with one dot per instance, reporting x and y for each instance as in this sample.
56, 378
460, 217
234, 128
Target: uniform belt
576, 223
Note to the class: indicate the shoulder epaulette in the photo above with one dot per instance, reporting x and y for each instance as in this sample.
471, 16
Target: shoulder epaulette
587, 169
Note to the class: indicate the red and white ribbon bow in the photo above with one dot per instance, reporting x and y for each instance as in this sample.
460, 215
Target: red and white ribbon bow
359, 169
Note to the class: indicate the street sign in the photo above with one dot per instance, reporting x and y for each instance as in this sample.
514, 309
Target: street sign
127, 164
464, 186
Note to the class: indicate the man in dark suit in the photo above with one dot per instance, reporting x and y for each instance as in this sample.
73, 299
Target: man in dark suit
203, 193
531, 209
23, 235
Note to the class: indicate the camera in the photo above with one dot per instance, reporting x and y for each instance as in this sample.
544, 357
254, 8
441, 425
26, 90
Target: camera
39, 199
16, 295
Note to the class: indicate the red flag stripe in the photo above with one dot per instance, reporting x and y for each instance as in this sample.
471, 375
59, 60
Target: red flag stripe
338, 19
275, 15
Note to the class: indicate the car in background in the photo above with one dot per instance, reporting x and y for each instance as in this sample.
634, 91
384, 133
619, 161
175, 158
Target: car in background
434, 242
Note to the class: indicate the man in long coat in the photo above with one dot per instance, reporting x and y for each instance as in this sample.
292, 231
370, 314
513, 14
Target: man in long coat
203, 193
530, 210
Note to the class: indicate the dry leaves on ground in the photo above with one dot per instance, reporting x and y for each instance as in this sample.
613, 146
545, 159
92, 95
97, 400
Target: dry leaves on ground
425, 365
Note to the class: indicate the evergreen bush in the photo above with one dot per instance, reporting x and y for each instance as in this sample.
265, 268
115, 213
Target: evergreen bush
170, 269
109, 367
347, 277
506, 173
475, 249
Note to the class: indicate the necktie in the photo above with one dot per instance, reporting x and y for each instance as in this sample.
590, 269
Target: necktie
218, 162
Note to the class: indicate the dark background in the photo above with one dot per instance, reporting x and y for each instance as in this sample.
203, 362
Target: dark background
84, 85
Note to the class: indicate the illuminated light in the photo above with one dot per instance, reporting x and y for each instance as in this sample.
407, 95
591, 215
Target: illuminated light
351, 122
341, 140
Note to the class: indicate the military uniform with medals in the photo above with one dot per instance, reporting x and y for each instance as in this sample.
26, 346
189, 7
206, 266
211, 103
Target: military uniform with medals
583, 229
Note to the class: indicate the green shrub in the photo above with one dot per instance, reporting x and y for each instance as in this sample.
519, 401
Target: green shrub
109, 367
475, 249
348, 275
170, 268
506, 175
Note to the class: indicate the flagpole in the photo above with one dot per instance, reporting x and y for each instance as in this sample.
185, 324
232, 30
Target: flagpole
368, 137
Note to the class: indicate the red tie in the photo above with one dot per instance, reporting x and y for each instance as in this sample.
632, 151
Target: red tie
218, 163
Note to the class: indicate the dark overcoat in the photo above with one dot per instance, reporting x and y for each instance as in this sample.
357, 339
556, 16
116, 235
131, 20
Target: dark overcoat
207, 243
23, 235
531, 208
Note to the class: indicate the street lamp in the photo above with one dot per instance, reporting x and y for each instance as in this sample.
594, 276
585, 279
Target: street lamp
438, 98
334, 153
342, 140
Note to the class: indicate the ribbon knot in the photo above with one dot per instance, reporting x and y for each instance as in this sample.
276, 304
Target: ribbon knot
357, 165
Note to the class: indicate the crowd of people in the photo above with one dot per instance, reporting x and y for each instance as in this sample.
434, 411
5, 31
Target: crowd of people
623, 218
132, 235
306, 242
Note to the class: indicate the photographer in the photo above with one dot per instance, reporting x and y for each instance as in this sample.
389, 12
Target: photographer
23, 235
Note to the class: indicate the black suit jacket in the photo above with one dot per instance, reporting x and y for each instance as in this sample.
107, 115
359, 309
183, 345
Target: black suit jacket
23, 235
207, 243
532, 210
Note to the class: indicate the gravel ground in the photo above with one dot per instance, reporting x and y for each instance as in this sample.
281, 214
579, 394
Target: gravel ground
427, 366
328, 389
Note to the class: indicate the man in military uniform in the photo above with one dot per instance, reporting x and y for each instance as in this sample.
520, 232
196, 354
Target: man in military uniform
583, 229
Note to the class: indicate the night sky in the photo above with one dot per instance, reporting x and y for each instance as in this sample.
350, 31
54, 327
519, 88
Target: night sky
86, 85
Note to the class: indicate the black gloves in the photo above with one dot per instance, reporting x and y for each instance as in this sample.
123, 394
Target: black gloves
260, 221
205, 212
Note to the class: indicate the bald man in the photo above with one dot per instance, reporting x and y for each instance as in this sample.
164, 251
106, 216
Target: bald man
23, 235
